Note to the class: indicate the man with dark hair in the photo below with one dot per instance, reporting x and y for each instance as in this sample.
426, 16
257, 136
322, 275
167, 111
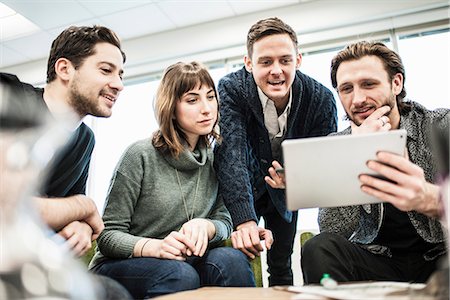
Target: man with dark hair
261, 105
84, 78
401, 239
85, 69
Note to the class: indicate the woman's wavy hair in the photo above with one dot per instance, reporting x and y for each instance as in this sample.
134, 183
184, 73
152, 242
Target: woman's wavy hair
177, 80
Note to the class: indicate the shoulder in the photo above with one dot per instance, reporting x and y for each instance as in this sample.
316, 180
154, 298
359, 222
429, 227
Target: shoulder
308, 86
421, 113
237, 82
140, 148
86, 133
25, 104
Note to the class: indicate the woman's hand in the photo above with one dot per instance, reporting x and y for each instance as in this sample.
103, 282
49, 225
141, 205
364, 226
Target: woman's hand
199, 232
173, 246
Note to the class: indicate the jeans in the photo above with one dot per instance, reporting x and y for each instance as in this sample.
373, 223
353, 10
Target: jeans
345, 261
149, 277
279, 256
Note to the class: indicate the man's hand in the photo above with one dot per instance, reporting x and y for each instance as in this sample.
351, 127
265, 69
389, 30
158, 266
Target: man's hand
78, 236
247, 238
199, 231
59, 212
376, 122
275, 180
410, 191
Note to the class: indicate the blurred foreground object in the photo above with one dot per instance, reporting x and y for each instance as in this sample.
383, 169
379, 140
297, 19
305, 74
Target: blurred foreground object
31, 264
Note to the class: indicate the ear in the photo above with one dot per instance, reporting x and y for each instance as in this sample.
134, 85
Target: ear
248, 63
64, 69
397, 84
298, 62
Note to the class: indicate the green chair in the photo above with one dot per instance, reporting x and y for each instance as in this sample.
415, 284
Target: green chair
87, 257
304, 236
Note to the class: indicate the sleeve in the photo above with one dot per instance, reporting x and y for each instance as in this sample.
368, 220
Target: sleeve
231, 155
221, 219
115, 241
325, 113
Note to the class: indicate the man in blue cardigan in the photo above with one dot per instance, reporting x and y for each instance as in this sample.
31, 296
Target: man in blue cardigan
261, 105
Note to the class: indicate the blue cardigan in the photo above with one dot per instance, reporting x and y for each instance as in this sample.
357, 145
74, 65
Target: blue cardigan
245, 154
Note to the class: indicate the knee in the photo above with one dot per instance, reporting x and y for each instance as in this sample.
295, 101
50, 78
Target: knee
230, 267
176, 277
185, 278
317, 245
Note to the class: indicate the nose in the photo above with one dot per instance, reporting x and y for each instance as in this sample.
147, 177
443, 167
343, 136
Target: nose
207, 106
276, 68
359, 96
117, 83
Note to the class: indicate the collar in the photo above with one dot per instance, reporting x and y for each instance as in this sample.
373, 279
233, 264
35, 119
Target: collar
263, 98
190, 160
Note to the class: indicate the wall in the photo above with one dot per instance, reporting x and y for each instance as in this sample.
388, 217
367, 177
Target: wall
315, 21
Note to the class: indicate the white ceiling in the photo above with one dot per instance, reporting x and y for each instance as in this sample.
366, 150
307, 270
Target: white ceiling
129, 19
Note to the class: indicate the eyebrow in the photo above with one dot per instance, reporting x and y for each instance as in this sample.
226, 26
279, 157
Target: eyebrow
271, 57
196, 94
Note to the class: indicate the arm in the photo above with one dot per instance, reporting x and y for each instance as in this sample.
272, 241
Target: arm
231, 157
231, 164
59, 212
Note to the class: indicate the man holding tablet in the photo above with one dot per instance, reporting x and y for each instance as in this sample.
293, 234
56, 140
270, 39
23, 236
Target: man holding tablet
401, 239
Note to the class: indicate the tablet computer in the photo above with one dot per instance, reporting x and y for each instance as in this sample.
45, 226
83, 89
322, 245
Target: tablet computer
323, 171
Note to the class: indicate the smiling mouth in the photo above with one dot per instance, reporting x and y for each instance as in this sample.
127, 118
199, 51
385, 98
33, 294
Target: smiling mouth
109, 97
276, 82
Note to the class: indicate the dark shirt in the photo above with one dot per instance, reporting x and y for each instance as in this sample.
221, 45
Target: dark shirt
67, 173
398, 233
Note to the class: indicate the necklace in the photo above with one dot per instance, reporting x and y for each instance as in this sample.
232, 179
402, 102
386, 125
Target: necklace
184, 199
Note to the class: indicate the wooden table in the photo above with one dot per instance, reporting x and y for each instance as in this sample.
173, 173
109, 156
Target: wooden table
229, 293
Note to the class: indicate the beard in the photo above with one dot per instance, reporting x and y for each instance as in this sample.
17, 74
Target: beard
390, 101
82, 102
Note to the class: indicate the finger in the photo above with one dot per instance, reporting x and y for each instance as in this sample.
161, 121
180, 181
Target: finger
204, 246
168, 255
256, 240
398, 202
240, 244
184, 240
267, 236
170, 248
399, 162
174, 242
200, 246
380, 185
248, 242
276, 165
379, 112
270, 182
72, 242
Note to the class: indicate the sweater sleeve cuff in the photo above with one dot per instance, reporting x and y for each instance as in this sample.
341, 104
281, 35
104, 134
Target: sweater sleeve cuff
222, 232
242, 211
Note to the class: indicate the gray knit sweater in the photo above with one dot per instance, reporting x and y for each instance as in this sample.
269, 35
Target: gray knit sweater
144, 198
